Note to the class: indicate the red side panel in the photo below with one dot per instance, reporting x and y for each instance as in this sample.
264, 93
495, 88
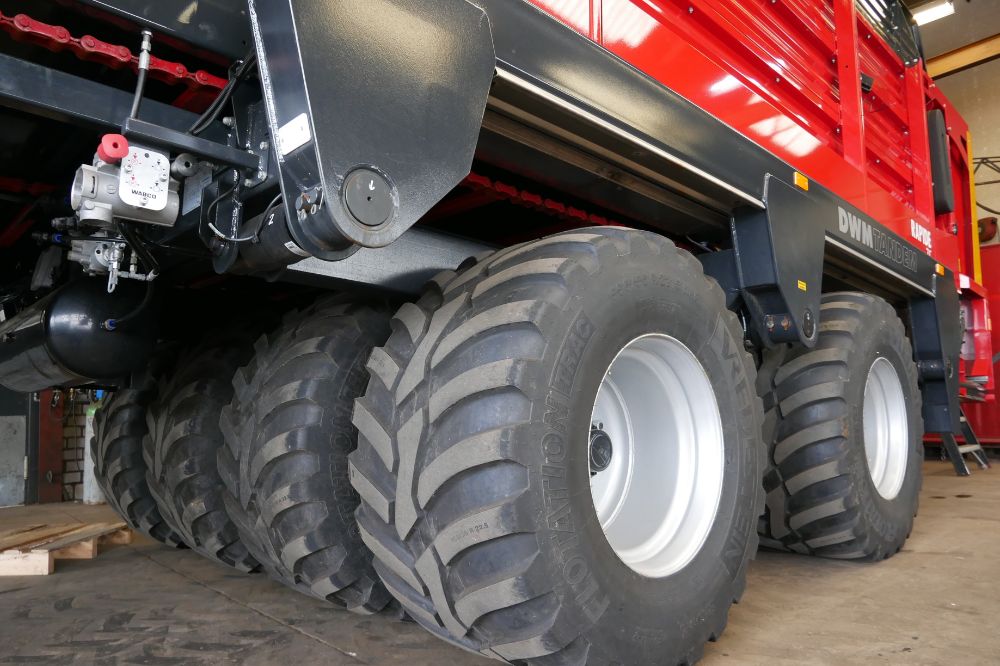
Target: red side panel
985, 416
787, 76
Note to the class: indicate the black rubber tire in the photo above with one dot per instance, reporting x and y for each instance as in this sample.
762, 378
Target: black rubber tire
821, 499
288, 433
119, 467
461, 454
181, 445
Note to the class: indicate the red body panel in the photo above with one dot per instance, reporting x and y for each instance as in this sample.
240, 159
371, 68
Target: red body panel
985, 417
774, 71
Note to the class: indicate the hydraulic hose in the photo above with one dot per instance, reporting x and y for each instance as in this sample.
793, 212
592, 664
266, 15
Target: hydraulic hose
130, 235
140, 85
115, 323
215, 108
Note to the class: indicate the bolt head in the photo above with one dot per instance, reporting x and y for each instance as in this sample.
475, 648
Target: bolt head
808, 323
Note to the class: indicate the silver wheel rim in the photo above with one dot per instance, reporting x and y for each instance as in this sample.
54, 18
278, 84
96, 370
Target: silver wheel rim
658, 498
886, 428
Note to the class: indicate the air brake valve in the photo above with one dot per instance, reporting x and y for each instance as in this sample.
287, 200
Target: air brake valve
128, 182
125, 182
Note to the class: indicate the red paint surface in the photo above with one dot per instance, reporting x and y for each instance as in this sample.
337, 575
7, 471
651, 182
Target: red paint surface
773, 72
985, 417
50, 446
786, 75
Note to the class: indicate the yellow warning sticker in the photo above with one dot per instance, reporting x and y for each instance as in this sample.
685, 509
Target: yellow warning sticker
802, 285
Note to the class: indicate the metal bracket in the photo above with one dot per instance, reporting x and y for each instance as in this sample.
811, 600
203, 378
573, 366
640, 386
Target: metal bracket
335, 76
937, 341
182, 142
775, 266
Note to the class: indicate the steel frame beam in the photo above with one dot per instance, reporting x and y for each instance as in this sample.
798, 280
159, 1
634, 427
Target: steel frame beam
46, 92
965, 57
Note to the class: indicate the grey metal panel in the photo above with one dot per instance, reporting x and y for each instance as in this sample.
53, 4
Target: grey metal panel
12, 403
13, 443
219, 26
404, 267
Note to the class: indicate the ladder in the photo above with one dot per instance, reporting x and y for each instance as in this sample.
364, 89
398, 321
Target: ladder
956, 452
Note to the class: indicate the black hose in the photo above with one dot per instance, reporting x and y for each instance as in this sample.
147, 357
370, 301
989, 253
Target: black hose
215, 108
140, 87
140, 84
115, 323
129, 234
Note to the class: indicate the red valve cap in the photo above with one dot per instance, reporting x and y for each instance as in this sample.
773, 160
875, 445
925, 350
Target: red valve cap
113, 148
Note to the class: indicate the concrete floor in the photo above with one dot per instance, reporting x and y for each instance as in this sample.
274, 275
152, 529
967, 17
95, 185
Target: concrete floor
934, 603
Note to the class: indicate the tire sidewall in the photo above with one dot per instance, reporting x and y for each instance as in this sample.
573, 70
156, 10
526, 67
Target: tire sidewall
643, 295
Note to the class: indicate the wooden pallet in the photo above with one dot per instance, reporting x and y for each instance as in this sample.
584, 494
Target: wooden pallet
32, 550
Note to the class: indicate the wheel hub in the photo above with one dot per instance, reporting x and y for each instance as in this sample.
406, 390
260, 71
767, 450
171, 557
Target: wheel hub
601, 449
656, 455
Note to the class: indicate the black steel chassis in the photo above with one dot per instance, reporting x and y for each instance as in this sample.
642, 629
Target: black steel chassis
403, 91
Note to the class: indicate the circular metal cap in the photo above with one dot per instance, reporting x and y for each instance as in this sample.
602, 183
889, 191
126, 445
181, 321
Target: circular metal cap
601, 450
368, 197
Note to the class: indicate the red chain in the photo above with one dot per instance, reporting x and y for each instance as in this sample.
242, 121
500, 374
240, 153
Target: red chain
57, 38
534, 201
21, 186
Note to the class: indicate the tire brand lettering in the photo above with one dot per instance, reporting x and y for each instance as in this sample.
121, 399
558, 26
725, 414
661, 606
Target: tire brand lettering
558, 509
569, 358
575, 570
552, 445
556, 415
732, 555
565, 542
735, 545
551, 470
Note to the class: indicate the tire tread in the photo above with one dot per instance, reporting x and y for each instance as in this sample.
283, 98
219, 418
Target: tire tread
507, 611
285, 433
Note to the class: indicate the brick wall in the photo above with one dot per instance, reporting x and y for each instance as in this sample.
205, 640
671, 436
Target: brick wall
75, 447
